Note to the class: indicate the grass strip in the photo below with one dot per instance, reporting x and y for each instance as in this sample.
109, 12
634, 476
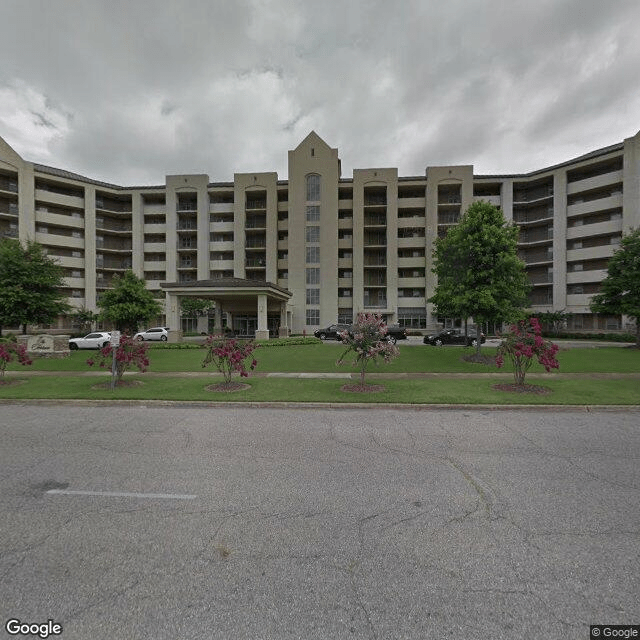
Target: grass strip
321, 358
440, 390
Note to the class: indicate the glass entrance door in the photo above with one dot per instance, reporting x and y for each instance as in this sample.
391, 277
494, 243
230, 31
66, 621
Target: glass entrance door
245, 326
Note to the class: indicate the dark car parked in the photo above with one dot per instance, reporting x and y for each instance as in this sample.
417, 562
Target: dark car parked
452, 336
395, 332
331, 332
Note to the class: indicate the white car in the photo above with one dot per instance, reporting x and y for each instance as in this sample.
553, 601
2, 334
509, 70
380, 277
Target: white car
156, 333
95, 340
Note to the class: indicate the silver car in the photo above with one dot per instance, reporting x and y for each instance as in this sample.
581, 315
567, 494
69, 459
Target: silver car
156, 333
95, 340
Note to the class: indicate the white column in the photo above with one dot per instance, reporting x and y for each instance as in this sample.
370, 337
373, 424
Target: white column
283, 331
173, 317
262, 333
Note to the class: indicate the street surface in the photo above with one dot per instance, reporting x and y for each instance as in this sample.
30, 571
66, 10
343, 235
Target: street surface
176, 522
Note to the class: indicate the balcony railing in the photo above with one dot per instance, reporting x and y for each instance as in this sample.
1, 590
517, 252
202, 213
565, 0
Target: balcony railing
8, 185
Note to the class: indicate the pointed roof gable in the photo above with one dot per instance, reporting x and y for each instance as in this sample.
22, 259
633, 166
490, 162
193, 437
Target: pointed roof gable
313, 140
7, 152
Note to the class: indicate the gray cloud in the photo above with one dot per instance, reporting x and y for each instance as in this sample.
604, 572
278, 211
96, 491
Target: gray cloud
128, 92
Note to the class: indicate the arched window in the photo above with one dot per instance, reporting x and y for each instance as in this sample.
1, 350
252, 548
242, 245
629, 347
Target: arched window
313, 187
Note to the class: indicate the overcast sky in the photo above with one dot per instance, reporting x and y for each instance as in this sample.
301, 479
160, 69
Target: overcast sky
128, 91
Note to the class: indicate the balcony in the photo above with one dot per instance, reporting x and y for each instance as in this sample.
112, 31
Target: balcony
59, 199
524, 195
10, 185
256, 205
411, 203
375, 220
496, 201
596, 229
579, 277
113, 226
596, 182
154, 266
48, 239
592, 206
221, 207
579, 300
588, 253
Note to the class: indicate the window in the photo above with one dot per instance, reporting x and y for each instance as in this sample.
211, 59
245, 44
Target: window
345, 273
313, 188
313, 296
313, 234
312, 255
313, 275
313, 213
313, 316
412, 317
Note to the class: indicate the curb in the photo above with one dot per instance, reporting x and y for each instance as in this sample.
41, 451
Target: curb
205, 404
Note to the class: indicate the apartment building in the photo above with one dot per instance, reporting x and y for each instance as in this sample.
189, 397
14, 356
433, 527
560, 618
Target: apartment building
282, 256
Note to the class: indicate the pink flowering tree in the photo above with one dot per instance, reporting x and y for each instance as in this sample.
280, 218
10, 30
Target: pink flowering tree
522, 344
367, 343
10, 351
230, 356
129, 353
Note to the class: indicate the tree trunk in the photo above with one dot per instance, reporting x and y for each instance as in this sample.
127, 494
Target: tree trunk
637, 332
24, 329
478, 334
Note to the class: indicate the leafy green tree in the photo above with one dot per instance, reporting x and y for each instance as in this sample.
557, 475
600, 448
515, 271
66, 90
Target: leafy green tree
30, 285
193, 307
129, 303
85, 318
620, 290
478, 269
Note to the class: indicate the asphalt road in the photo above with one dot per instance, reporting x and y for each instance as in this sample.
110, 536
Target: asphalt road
284, 523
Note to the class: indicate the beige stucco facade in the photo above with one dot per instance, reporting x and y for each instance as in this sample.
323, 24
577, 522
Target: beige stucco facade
339, 245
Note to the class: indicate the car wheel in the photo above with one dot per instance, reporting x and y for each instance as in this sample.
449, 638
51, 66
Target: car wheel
438, 343
474, 343
139, 338
163, 338
323, 336
73, 346
103, 345
392, 339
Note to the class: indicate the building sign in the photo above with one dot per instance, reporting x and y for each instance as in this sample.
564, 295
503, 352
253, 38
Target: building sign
40, 344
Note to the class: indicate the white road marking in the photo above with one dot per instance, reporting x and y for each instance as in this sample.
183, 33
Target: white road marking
123, 494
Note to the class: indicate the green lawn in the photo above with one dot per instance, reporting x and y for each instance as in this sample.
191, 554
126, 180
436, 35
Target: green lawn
440, 390
322, 358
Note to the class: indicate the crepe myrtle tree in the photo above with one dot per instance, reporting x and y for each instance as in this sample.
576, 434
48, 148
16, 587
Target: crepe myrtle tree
366, 343
229, 356
129, 353
522, 344
10, 350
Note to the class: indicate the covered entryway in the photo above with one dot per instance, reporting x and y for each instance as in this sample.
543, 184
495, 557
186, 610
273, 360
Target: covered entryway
252, 307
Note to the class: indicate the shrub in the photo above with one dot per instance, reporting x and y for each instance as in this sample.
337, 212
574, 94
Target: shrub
10, 350
288, 342
366, 342
229, 355
521, 344
128, 353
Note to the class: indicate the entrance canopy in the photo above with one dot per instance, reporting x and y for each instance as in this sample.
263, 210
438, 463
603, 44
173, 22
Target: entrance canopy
233, 295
